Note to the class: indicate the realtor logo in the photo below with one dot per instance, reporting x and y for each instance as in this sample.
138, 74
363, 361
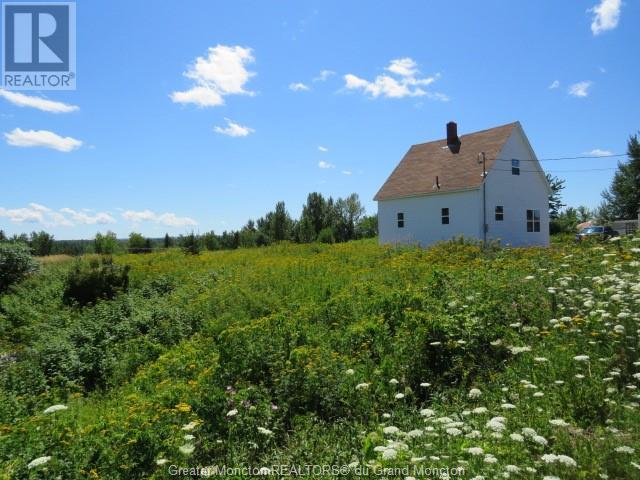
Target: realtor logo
39, 45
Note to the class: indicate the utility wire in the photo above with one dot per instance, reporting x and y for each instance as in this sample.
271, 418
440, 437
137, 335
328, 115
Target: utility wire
554, 170
560, 158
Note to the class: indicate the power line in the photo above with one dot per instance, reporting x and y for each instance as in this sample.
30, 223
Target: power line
581, 157
554, 170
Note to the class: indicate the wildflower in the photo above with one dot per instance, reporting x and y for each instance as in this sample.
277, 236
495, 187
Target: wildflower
427, 412
539, 359
425, 384
512, 468
391, 430
393, 381
529, 432
265, 431
386, 415
480, 410
540, 440
558, 422
474, 434
362, 386
350, 371
232, 413
581, 358
563, 459
55, 408
517, 350
579, 376
187, 449
624, 449
389, 454
490, 459
453, 431
516, 437
399, 396
496, 424
190, 426
475, 451
38, 461
474, 393
415, 433
161, 461
508, 406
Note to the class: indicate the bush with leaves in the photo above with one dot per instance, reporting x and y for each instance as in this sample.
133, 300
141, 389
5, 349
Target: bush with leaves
15, 263
89, 282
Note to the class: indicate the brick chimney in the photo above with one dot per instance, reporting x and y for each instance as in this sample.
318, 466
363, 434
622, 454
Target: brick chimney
453, 141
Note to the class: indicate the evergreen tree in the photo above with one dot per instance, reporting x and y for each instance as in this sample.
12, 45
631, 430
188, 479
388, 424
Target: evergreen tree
555, 197
168, 241
622, 199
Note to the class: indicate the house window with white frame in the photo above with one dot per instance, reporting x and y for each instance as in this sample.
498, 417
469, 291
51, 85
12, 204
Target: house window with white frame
515, 167
533, 220
400, 220
499, 213
445, 216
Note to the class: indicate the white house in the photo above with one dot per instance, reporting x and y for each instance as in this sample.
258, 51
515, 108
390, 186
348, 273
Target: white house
438, 191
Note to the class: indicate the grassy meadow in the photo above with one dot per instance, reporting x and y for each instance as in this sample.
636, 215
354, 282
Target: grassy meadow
506, 363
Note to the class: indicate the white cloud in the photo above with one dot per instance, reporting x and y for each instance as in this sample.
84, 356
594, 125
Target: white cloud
22, 100
580, 89
100, 218
405, 67
606, 16
298, 87
323, 164
65, 217
347, 172
324, 75
406, 82
323, 149
554, 84
41, 138
233, 129
223, 72
597, 152
167, 219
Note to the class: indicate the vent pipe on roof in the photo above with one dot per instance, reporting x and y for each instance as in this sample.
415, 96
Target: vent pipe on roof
453, 142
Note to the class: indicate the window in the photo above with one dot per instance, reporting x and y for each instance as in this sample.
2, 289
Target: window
533, 220
445, 216
515, 167
499, 213
400, 220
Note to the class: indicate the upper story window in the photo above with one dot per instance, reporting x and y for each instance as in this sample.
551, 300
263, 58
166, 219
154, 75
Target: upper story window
533, 220
445, 216
400, 220
499, 213
515, 167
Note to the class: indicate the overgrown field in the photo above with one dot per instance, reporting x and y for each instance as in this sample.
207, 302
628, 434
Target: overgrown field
519, 363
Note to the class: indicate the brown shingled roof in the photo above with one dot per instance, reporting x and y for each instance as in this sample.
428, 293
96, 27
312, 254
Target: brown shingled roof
417, 171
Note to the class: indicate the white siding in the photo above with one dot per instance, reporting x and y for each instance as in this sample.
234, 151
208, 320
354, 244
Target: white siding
517, 193
423, 221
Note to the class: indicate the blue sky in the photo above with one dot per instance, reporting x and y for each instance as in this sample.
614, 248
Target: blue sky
135, 147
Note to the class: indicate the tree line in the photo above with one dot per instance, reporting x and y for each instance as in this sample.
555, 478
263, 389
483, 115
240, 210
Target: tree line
323, 219
621, 201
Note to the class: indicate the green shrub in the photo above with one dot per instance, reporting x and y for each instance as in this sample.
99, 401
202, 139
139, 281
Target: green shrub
86, 283
326, 235
15, 263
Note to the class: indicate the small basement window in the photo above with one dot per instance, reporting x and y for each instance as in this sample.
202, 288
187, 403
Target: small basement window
515, 167
499, 213
400, 220
533, 220
445, 216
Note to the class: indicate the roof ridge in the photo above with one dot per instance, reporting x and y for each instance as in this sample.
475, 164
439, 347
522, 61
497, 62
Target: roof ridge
467, 134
